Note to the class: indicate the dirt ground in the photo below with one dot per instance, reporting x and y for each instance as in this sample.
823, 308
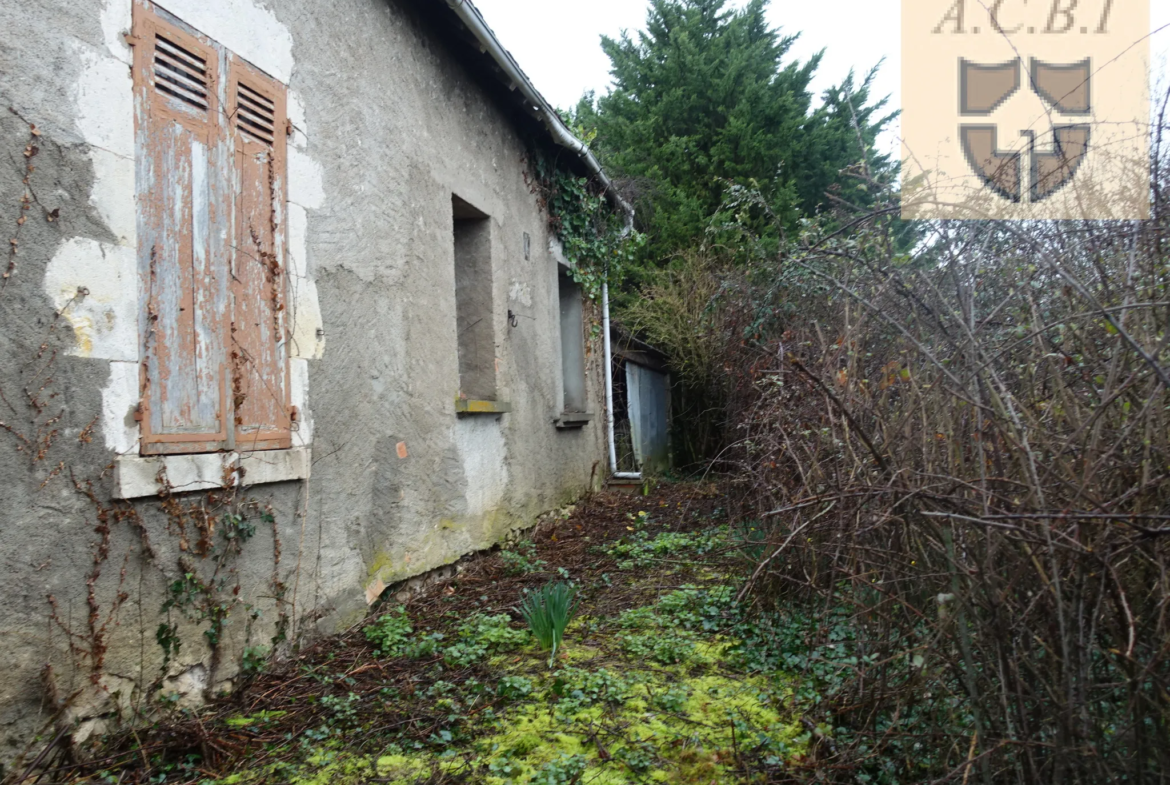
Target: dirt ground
652, 683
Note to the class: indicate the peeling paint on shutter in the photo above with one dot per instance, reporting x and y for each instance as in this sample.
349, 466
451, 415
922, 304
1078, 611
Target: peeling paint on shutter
181, 168
259, 345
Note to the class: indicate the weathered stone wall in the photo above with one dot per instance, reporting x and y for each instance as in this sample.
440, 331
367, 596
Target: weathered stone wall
387, 128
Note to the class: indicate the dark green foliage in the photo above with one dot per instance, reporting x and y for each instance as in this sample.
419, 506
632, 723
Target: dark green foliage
197, 601
593, 232
167, 636
239, 529
701, 99
564, 770
665, 633
548, 611
638, 757
520, 559
393, 636
661, 646
480, 636
514, 687
578, 689
342, 709
692, 608
254, 660
390, 633
671, 700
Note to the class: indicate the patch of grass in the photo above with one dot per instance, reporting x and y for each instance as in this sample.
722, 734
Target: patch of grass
615, 723
653, 694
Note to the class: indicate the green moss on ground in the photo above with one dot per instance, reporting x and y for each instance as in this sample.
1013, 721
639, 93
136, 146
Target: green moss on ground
655, 694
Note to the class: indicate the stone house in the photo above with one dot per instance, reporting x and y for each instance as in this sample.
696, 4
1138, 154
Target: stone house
282, 325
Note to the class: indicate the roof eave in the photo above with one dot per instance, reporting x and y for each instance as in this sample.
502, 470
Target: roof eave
538, 107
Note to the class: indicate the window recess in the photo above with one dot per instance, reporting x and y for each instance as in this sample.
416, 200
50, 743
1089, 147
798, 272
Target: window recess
572, 353
474, 311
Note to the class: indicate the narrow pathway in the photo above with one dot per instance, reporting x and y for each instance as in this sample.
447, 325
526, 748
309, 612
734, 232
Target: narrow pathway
659, 679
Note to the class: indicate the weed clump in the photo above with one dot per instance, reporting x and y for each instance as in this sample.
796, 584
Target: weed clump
521, 559
390, 633
393, 636
641, 551
548, 612
579, 689
480, 636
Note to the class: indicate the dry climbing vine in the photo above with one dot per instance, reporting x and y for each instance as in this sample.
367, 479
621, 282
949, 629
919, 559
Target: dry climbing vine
210, 529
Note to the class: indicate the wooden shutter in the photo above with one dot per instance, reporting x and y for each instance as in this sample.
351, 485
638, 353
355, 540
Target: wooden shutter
259, 346
181, 171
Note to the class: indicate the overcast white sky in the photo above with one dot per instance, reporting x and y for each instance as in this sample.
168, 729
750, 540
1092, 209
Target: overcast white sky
558, 42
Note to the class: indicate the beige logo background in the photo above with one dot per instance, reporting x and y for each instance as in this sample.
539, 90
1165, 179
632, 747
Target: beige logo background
1025, 109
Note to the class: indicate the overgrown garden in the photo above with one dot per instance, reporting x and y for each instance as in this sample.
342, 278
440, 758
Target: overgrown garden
932, 543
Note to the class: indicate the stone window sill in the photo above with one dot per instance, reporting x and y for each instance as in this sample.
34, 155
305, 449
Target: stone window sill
573, 420
465, 406
137, 476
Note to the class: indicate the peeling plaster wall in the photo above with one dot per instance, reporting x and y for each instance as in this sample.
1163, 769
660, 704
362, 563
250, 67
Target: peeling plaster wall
386, 128
106, 319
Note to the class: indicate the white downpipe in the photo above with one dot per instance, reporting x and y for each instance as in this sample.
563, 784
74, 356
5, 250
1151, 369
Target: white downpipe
605, 341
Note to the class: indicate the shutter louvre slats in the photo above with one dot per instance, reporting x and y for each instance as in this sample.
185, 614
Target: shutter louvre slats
255, 114
180, 73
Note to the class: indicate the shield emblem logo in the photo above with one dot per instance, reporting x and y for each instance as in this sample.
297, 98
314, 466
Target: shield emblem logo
1030, 174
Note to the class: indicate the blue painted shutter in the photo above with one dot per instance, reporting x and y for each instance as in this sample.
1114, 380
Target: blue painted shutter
183, 215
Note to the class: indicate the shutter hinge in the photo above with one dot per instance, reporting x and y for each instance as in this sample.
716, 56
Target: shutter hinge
131, 39
138, 413
294, 413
